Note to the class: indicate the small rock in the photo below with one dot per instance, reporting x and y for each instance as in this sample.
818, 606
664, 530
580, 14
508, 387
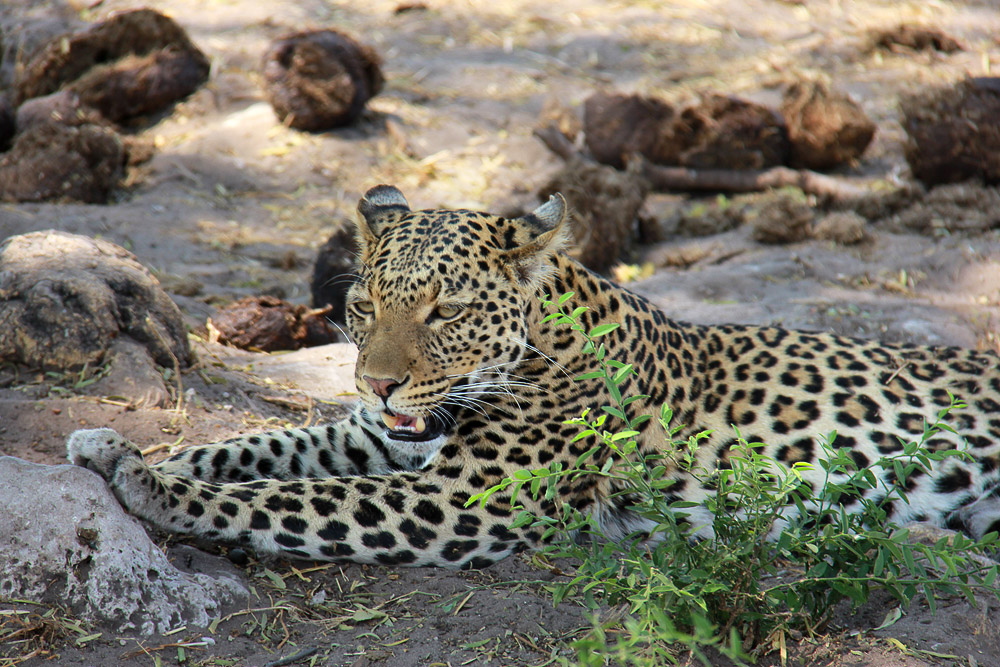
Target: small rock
825, 129
708, 217
845, 227
67, 541
954, 132
268, 323
182, 285
66, 299
321, 79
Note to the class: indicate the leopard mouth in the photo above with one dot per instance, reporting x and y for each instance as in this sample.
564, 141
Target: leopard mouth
411, 429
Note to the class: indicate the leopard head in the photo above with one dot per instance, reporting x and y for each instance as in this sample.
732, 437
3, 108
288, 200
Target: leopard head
439, 311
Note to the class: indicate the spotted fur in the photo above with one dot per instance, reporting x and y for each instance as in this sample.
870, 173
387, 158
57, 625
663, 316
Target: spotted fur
447, 318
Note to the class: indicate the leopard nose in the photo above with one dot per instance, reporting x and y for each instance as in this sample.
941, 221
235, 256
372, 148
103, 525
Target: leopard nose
382, 387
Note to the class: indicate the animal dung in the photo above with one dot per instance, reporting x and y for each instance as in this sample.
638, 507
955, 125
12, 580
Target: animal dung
825, 129
320, 79
134, 63
60, 122
268, 323
719, 132
954, 132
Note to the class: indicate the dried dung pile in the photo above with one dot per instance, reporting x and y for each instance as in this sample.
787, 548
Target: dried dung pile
320, 79
60, 120
954, 132
268, 323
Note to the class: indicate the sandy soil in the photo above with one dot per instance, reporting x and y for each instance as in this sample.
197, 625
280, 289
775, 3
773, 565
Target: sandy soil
234, 204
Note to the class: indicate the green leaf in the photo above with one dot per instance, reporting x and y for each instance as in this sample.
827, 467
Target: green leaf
632, 399
566, 297
615, 412
603, 329
622, 373
275, 578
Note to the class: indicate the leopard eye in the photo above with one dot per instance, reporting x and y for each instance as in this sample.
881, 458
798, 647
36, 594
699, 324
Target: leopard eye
363, 308
448, 311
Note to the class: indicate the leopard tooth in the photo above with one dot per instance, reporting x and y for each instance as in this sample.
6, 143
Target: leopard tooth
420, 426
390, 421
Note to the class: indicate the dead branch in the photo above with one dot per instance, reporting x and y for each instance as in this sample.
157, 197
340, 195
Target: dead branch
721, 180
557, 142
747, 180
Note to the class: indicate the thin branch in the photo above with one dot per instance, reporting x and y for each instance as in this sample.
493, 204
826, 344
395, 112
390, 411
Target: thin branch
661, 177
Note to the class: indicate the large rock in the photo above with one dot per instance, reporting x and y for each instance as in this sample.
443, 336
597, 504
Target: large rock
65, 298
68, 541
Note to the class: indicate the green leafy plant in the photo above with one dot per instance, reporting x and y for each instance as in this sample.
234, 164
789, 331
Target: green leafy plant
674, 594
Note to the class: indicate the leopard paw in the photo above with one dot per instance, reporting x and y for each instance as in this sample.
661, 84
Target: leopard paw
101, 450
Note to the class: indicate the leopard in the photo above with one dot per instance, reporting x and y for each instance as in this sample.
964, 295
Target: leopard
463, 380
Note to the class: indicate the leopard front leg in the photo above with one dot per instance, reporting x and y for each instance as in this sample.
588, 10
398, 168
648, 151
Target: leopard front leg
402, 518
353, 446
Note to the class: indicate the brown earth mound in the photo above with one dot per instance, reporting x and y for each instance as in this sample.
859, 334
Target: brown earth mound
724, 132
321, 79
139, 85
605, 204
785, 218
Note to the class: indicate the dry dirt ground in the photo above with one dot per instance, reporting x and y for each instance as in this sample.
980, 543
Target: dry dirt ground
235, 204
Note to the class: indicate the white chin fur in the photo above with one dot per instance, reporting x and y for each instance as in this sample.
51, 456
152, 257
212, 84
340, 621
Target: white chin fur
419, 453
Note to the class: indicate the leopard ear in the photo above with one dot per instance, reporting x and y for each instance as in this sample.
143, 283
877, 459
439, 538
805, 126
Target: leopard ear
540, 234
379, 209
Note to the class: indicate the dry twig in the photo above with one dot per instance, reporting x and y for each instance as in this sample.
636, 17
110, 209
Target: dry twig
726, 180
